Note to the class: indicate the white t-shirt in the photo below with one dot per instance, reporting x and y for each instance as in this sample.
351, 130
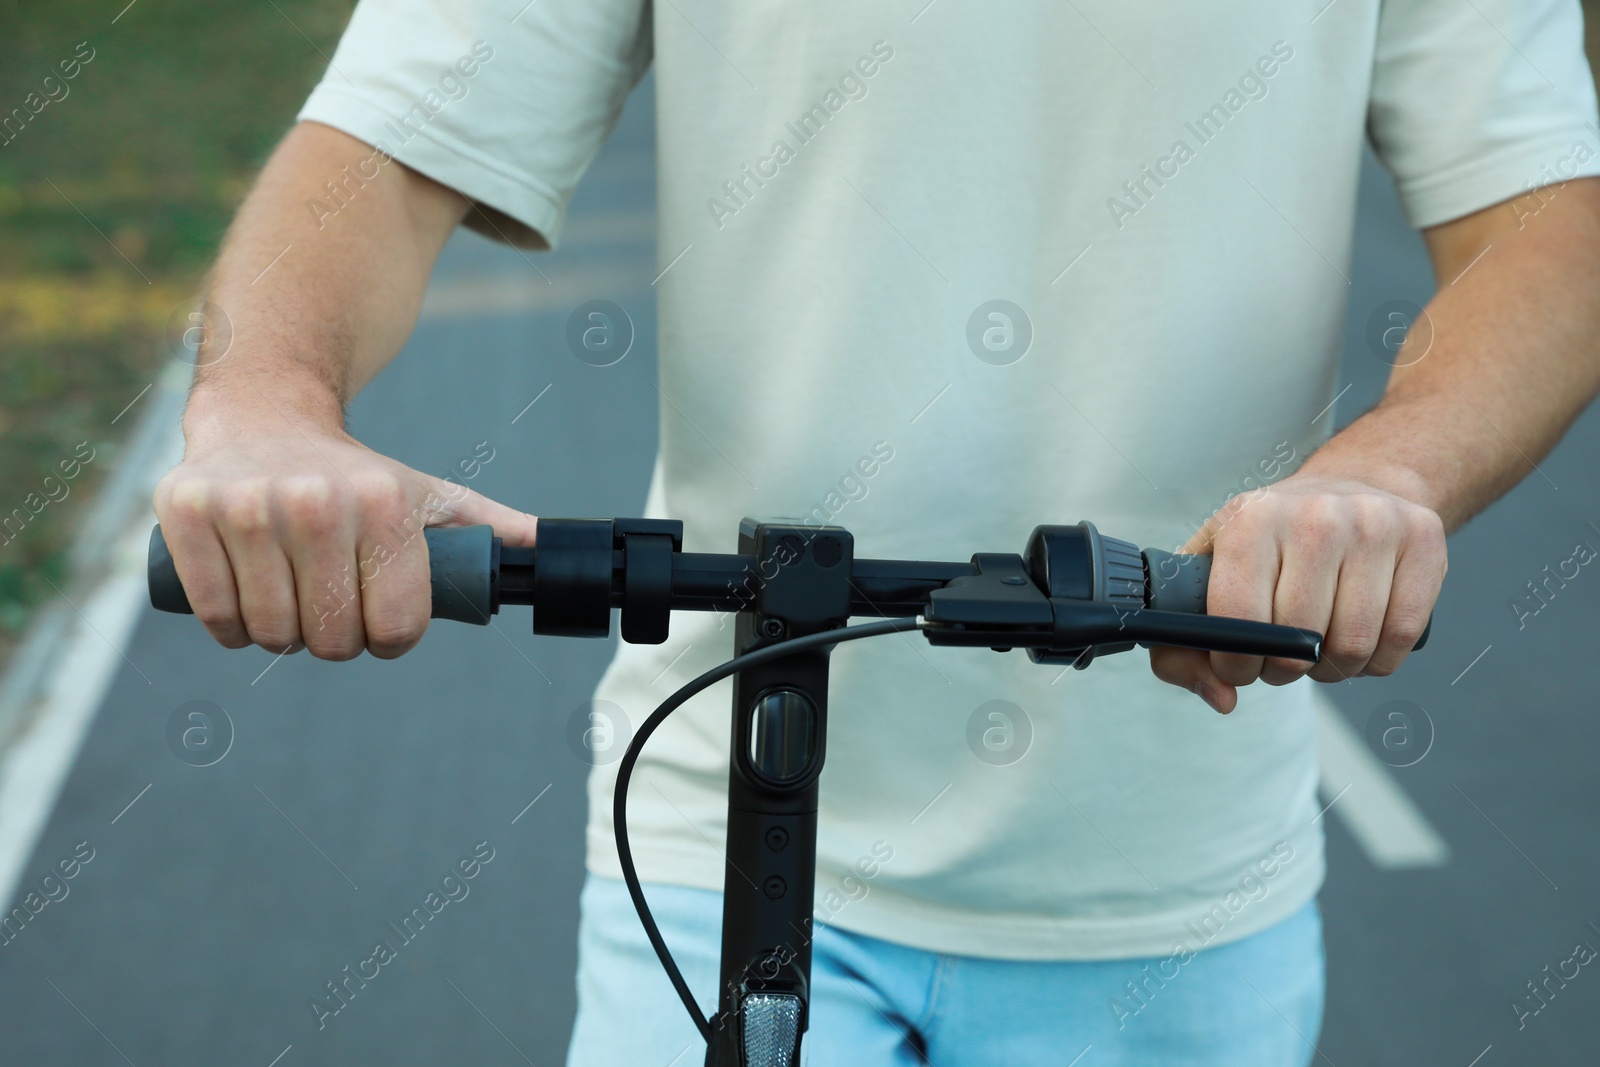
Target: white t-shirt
1167, 192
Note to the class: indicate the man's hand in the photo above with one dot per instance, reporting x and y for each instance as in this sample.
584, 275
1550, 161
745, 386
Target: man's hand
286, 531
297, 536
1359, 564
1353, 543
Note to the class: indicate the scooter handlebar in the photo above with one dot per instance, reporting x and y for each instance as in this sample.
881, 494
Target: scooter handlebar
465, 570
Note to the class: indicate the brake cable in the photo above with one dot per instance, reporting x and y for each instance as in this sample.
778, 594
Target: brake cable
619, 803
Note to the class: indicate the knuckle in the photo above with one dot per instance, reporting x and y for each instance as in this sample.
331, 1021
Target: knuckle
380, 493
337, 647
387, 638
1352, 643
1322, 521
245, 507
218, 620
1370, 517
1425, 526
1405, 629
1326, 671
229, 635
332, 628
310, 504
184, 499
1284, 671
183, 496
271, 632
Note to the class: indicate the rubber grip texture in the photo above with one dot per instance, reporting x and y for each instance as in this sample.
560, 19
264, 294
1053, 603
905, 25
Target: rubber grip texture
460, 566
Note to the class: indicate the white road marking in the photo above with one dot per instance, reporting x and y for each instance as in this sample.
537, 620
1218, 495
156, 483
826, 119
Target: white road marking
36, 761
58, 678
1385, 822
60, 675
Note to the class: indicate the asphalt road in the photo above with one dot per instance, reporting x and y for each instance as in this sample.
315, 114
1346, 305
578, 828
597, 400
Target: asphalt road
221, 899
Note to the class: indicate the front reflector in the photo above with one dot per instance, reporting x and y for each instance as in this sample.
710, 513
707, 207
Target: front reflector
771, 1028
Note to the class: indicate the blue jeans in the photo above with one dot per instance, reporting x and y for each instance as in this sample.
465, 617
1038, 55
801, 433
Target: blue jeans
1256, 1002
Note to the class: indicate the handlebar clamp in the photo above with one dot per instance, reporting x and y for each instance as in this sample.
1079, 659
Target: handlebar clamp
578, 570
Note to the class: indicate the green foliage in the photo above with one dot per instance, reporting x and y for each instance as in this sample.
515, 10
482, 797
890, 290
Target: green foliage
113, 199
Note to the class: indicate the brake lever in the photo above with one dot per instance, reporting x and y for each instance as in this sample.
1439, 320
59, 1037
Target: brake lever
1002, 607
1077, 625
1083, 623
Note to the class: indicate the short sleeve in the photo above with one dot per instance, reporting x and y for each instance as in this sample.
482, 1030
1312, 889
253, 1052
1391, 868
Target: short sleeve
507, 101
1478, 101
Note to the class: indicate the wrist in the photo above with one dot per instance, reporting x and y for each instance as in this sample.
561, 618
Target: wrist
221, 405
1398, 478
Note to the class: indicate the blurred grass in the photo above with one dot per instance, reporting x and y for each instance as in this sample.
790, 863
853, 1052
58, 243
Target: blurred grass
113, 198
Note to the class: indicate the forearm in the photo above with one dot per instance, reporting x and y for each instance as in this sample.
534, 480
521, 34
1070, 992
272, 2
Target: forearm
317, 287
1507, 358
285, 531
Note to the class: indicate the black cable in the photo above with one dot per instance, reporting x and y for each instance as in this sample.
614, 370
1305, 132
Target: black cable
619, 803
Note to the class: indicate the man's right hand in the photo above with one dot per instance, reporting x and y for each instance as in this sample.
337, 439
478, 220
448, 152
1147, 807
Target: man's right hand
285, 531
289, 535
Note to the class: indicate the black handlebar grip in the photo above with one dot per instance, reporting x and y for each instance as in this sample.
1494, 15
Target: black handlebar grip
166, 592
462, 562
1178, 582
